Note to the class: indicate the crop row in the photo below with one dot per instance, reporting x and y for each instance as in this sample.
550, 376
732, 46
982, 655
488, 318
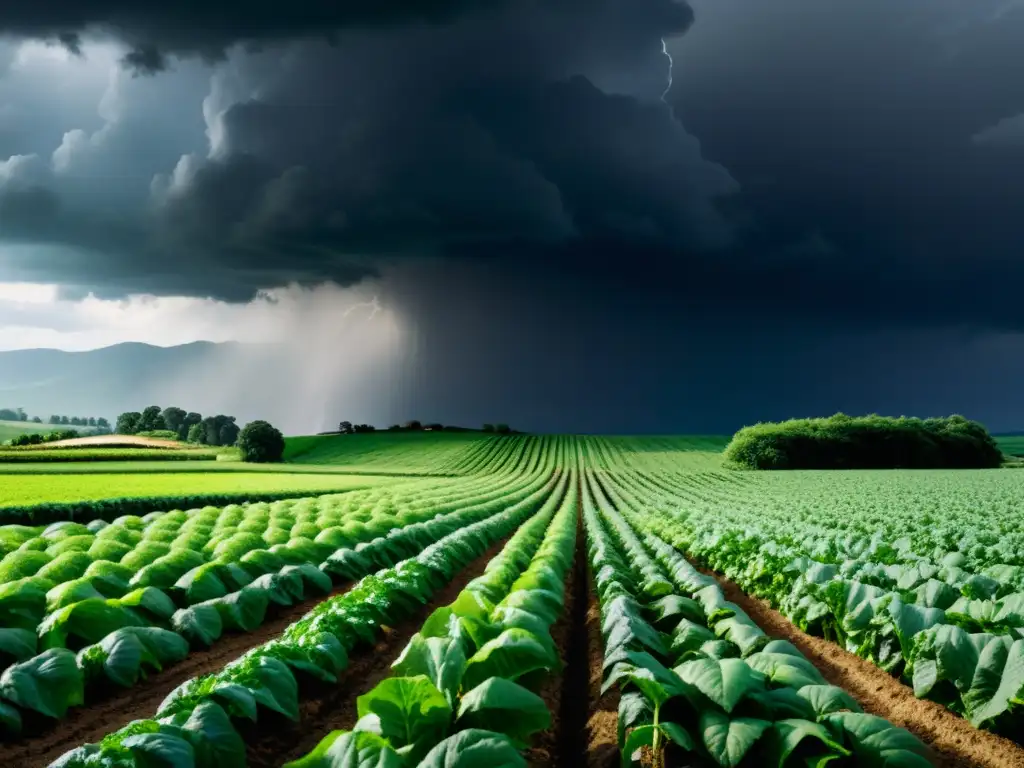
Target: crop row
956, 637
124, 623
697, 675
194, 725
467, 682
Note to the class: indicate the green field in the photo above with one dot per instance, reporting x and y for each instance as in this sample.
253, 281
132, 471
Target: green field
11, 429
1012, 445
695, 605
26, 489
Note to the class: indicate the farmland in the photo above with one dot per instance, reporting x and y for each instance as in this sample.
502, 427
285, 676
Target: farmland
512, 601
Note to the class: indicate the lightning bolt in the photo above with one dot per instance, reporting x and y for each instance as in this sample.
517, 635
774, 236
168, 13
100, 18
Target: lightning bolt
373, 304
668, 86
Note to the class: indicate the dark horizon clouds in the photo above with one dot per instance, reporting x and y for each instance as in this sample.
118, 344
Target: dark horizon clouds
853, 168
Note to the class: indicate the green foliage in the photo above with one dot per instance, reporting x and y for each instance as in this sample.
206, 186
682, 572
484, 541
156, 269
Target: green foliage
163, 434
868, 442
260, 442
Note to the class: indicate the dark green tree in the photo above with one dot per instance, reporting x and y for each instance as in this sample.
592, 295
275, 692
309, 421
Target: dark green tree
151, 419
128, 423
197, 434
174, 419
261, 443
191, 420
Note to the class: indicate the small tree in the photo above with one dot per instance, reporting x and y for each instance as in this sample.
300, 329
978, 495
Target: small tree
502, 429
345, 428
128, 423
197, 434
36, 420
261, 443
488, 427
414, 424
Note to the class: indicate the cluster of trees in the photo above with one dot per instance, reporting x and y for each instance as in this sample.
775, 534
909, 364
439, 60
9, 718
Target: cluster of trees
502, 429
865, 442
15, 414
38, 438
185, 425
348, 428
97, 423
80, 421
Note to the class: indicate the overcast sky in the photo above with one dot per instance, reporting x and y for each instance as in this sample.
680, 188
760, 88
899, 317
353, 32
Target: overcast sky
587, 214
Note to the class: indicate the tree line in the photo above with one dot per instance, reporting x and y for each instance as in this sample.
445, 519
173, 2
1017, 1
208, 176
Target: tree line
187, 426
93, 422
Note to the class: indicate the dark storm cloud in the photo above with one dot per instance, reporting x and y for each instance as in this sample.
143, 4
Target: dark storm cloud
538, 125
888, 132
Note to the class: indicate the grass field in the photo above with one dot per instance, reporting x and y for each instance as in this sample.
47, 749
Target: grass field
529, 599
11, 429
26, 489
1012, 445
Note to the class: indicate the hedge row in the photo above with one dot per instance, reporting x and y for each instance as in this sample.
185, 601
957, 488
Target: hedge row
865, 442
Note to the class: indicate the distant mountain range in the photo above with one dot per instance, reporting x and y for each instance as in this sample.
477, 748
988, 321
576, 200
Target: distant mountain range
245, 380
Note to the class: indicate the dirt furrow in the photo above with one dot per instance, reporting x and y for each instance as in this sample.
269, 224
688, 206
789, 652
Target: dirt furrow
566, 693
100, 716
955, 741
603, 711
327, 707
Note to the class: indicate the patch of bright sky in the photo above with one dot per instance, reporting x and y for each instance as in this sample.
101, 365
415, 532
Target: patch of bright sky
33, 316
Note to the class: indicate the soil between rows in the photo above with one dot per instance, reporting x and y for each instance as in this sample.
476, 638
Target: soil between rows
566, 693
327, 707
101, 716
603, 711
956, 742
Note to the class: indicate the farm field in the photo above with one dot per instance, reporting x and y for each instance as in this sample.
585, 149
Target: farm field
10, 429
27, 489
523, 600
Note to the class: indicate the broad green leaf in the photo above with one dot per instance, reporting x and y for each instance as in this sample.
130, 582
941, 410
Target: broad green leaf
875, 741
48, 683
441, 659
199, 585
160, 750
350, 749
243, 610
634, 710
826, 699
149, 601
726, 740
215, 741
506, 707
474, 748
411, 710
785, 736
783, 669
725, 681
670, 609
200, 624
17, 644
512, 654
998, 681
90, 620
644, 737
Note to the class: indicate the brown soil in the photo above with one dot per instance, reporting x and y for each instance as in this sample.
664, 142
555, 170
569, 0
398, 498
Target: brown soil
324, 708
603, 711
566, 693
955, 741
89, 724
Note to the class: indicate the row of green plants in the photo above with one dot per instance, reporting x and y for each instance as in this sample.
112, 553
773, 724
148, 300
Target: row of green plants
195, 724
699, 681
98, 613
467, 682
955, 637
